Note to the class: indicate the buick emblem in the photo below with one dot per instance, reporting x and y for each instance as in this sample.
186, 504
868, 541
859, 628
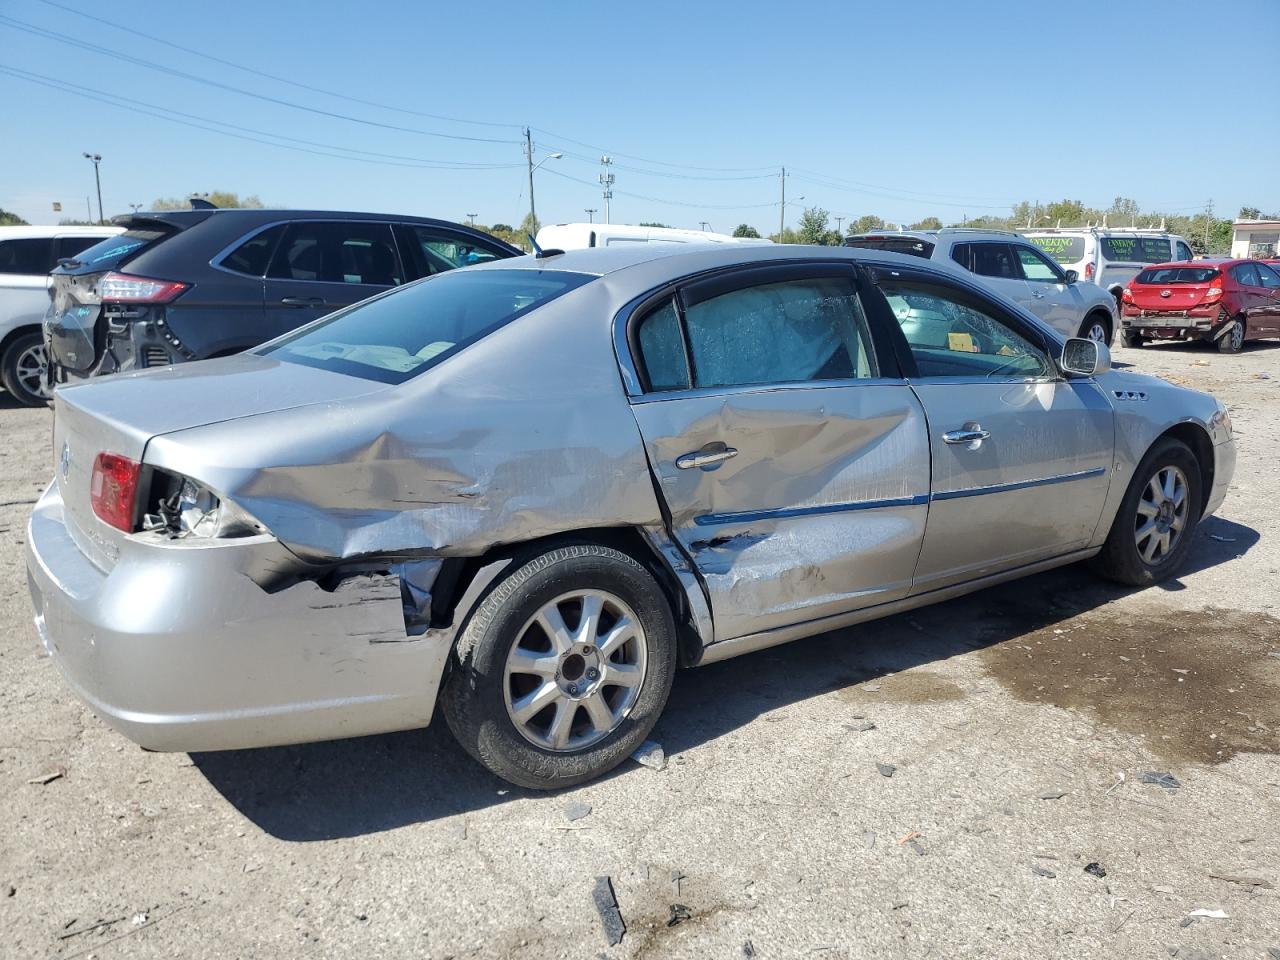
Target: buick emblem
1166, 293
64, 461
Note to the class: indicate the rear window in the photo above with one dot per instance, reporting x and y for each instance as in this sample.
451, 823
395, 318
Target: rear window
909, 245
395, 337
113, 251
1062, 249
1177, 275
1136, 249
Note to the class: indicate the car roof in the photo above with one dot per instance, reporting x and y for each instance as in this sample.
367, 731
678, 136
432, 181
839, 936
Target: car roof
186, 218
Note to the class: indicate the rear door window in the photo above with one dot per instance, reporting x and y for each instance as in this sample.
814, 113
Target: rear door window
429, 251
33, 255
253, 256
353, 252
995, 260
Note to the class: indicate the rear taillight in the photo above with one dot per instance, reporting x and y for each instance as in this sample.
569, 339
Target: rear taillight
1088, 270
113, 489
1126, 296
1212, 295
122, 288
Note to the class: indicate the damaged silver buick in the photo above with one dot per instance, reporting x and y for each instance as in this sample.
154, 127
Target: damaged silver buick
530, 490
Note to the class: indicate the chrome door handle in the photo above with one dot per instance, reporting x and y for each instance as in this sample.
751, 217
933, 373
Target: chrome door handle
705, 458
974, 434
1038, 296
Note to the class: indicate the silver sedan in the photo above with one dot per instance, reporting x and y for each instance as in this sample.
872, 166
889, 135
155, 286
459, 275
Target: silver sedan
530, 490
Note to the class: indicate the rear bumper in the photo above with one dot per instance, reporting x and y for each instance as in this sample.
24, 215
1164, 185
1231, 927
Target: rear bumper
1155, 325
181, 650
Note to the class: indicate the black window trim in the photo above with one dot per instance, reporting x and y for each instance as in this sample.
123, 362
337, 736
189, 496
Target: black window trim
389, 224
726, 279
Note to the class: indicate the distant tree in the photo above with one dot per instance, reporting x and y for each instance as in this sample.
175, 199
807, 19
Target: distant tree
8, 219
867, 224
814, 230
787, 236
1067, 212
928, 223
664, 226
1122, 210
746, 230
529, 226
222, 199
1250, 213
504, 232
73, 222
500, 228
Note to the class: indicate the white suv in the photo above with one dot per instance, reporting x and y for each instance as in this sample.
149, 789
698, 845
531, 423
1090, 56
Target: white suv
27, 254
1011, 265
1110, 256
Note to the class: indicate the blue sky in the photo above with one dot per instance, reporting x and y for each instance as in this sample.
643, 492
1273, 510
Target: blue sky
901, 109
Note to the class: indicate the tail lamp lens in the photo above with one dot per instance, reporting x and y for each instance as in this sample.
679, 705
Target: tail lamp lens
1088, 271
113, 490
1126, 295
123, 288
1212, 295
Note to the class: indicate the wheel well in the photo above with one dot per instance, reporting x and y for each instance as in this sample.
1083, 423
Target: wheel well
458, 573
1103, 315
1195, 437
14, 334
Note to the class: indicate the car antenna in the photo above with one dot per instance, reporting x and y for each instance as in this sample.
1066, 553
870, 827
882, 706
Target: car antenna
539, 253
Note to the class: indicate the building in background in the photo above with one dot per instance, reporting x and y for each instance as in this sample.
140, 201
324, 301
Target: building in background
1258, 239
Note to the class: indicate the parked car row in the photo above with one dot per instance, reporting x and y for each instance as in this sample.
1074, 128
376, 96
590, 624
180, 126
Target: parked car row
529, 489
1225, 302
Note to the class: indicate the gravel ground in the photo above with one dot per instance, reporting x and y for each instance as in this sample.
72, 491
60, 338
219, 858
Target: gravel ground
1018, 723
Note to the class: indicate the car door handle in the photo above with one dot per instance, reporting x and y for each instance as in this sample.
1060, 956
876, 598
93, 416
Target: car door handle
702, 459
303, 301
1038, 295
970, 433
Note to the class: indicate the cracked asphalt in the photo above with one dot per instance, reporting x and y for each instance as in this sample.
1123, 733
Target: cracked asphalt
1016, 726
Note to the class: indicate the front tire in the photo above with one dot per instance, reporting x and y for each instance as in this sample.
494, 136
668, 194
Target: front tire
563, 668
1096, 327
23, 368
1154, 527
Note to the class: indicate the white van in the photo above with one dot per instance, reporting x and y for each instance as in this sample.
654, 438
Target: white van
27, 254
580, 236
1109, 256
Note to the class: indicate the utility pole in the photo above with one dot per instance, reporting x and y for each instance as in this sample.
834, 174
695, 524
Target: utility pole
135, 207
839, 220
782, 208
704, 225
528, 153
606, 182
1208, 219
471, 219
97, 159
591, 214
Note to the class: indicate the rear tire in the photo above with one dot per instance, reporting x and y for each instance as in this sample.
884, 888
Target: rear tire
23, 369
1233, 340
1149, 541
1131, 338
534, 705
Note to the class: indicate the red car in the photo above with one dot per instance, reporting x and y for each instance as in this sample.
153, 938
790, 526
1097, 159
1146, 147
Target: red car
1224, 302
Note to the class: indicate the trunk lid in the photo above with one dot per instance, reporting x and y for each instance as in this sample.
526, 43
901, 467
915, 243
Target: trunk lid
1173, 289
121, 414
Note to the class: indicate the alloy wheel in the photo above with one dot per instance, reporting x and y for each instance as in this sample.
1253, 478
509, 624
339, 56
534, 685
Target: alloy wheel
575, 670
30, 369
1162, 514
1097, 332
1237, 335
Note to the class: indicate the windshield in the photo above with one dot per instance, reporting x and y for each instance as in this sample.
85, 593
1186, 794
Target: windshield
397, 336
1062, 249
912, 245
1177, 275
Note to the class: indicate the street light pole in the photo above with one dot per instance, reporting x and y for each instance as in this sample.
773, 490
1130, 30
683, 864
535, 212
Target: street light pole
528, 152
782, 207
471, 219
591, 214
97, 159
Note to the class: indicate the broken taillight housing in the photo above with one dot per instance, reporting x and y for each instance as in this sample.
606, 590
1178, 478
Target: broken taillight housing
123, 288
113, 490
1212, 295
180, 507
1126, 295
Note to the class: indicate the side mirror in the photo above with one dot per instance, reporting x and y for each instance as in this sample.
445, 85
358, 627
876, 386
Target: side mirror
1072, 276
1082, 357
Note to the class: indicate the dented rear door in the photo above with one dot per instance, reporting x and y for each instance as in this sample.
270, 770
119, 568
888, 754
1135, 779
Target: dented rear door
799, 495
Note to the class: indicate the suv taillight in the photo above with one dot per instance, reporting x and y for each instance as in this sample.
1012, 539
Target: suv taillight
1212, 295
1088, 270
123, 288
113, 489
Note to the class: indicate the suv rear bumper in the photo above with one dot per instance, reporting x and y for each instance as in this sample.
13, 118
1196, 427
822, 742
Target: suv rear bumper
180, 650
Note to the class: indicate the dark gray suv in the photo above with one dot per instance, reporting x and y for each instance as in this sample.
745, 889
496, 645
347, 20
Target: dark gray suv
194, 284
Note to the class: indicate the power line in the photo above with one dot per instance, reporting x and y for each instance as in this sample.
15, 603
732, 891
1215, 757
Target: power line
106, 51
673, 203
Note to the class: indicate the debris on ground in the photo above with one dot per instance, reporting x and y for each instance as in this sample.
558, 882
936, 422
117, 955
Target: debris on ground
1161, 778
915, 845
909, 837
868, 839
576, 810
1244, 881
69, 933
49, 777
872, 688
650, 754
749, 950
1188, 921
1040, 871
679, 914
10, 890
676, 877
1053, 794
1095, 869
1162, 888
1209, 914
861, 726
607, 906
886, 769
138, 919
